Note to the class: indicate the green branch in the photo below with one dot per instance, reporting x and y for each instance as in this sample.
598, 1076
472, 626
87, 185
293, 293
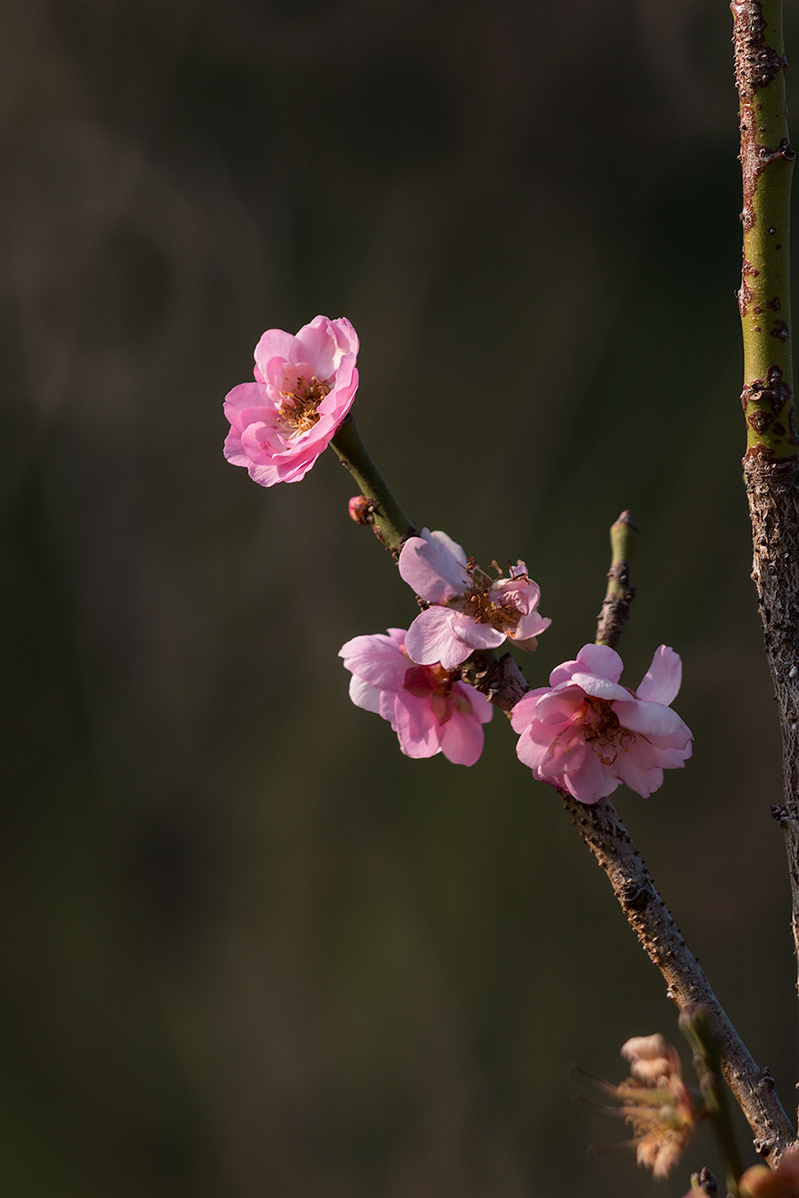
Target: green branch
389, 520
767, 163
620, 592
696, 1026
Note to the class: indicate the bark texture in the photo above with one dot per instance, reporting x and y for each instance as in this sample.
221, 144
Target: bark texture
773, 493
606, 836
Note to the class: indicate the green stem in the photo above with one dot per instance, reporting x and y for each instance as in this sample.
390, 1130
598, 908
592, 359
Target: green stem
697, 1029
767, 163
390, 521
620, 592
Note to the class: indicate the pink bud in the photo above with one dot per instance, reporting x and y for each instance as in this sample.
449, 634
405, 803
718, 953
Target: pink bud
362, 510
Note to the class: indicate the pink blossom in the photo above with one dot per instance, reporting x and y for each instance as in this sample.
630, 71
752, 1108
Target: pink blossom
585, 733
430, 710
304, 386
469, 609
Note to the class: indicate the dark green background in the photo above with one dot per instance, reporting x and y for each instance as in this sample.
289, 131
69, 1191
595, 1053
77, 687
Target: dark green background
249, 950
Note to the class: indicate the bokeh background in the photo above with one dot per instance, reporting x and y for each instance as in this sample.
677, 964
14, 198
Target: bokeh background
249, 950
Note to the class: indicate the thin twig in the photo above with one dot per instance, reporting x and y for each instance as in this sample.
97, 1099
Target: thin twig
621, 591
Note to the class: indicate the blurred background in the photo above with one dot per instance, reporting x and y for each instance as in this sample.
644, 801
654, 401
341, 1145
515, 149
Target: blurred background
249, 949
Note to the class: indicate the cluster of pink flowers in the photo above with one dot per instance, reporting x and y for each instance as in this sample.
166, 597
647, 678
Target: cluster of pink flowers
584, 733
412, 678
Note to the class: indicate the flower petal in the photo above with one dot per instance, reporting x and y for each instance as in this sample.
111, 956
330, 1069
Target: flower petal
417, 728
430, 640
601, 661
432, 567
363, 694
377, 660
652, 719
462, 738
662, 680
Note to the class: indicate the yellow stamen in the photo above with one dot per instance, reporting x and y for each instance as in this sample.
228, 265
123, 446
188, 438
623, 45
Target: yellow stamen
298, 410
478, 604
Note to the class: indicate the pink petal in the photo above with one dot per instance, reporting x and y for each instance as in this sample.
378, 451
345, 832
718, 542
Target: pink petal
364, 695
601, 661
651, 719
481, 706
593, 783
233, 451
644, 781
662, 680
377, 660
600, 688
523, 712
246, 395
417, 728
274, 343
560, 706
325, 342
532, 754
430, 640
431, 567
462, 739
562, 673
345, 335
528, 628
266, 475
474, 634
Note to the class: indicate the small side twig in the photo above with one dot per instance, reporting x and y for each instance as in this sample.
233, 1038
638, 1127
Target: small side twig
620, 592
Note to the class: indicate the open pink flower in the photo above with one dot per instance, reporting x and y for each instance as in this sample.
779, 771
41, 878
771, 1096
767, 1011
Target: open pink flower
470, 610
428, 708
304, 386
585, 733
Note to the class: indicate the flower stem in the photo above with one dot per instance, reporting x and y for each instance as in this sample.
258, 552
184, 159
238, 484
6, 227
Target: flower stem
390, 522
620, 592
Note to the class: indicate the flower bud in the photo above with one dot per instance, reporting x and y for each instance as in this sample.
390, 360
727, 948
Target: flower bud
362, 510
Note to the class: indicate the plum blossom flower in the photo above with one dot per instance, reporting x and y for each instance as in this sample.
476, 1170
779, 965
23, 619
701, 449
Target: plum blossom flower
430, 710
586, 734
469, 609
304, 386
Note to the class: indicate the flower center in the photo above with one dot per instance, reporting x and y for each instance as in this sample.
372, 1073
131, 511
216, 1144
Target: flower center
478, 604
436, 683
601, 729
422, 680
301, 398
